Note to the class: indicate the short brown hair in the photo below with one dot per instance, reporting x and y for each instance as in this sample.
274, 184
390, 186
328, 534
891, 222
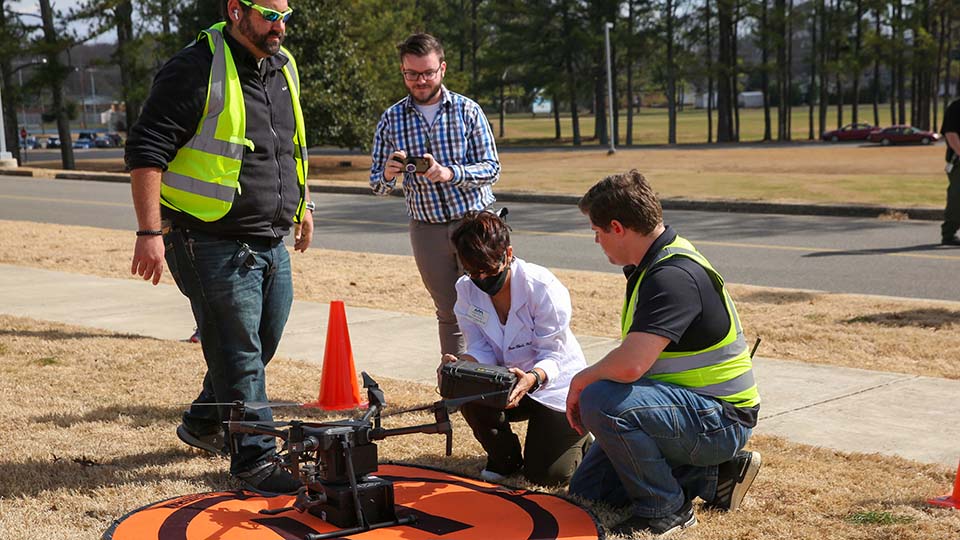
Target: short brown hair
627, 198
481, 240
420, 45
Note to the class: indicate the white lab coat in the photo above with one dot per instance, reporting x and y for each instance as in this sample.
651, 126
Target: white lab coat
537, 332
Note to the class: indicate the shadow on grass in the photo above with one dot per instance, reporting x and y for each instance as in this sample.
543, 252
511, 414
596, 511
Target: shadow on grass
139, 416
778, 298
61, 471
884, 251
63, 335
936, 318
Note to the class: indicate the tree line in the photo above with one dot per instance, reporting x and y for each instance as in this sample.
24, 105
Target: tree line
855, 56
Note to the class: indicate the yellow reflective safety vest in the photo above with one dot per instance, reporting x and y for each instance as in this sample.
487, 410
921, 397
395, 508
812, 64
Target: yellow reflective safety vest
204, 176
723, 370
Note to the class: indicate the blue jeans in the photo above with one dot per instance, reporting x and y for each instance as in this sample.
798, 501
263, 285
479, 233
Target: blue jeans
240, 307
656, 446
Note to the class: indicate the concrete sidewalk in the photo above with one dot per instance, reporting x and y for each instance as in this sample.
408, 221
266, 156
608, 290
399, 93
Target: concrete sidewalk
852, 410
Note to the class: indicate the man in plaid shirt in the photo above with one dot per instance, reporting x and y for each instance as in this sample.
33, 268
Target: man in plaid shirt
452, 135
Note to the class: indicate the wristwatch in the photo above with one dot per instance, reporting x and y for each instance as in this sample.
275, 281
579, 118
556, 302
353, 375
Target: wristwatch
537, 383
310, 206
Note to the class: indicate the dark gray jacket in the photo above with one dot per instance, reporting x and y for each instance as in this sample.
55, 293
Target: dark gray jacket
269, 190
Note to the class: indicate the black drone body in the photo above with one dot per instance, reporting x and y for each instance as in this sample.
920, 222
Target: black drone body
335, 460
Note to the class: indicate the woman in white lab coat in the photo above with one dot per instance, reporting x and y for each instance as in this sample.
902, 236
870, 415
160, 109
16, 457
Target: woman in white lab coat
517, 314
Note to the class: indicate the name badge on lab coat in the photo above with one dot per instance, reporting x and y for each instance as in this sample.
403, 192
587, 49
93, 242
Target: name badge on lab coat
478, 315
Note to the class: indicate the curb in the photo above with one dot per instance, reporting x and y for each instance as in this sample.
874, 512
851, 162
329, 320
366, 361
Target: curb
732, 206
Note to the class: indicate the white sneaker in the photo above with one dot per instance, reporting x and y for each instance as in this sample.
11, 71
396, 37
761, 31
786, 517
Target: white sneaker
492, 477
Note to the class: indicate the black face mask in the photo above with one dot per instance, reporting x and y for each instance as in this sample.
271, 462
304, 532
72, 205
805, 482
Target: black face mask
491, 284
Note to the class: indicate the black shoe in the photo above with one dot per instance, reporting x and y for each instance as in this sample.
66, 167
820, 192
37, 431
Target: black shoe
213, 443
660, 527
269, 479
734, 478
950, 241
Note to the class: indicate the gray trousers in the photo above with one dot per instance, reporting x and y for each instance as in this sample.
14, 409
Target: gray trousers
439, 269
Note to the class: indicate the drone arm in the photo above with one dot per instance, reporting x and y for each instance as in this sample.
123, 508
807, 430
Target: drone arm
254, 429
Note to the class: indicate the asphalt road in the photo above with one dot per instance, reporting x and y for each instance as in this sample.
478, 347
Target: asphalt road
864, 256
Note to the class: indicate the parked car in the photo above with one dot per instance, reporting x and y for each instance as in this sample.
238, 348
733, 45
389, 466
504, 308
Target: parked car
903, 134
850, 132
53, 142
102, 141
83, 143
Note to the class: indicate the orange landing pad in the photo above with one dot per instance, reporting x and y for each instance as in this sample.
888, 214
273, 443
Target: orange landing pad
446, 506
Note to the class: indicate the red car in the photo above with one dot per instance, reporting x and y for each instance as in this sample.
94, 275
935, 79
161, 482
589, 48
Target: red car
850, 132
903, 134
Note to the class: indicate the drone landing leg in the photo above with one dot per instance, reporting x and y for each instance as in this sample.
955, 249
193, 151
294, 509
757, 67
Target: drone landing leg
354, 530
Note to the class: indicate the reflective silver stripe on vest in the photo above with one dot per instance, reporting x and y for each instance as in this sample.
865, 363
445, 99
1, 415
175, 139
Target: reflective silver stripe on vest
303, 153
206, 140
738, 384
735, 385
294, 75
710, 358
199, 187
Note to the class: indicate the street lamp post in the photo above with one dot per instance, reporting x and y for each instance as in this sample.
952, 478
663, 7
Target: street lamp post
606, 35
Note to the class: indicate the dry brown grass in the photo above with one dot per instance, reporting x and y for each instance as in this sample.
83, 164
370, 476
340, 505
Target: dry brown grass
89, 421
837, 329
905, 175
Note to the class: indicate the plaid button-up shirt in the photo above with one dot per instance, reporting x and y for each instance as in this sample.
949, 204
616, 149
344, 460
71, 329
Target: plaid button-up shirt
460, 138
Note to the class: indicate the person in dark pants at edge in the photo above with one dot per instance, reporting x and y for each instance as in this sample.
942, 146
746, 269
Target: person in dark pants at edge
517, 314
452, 134
951, 214
218, 179
674, 404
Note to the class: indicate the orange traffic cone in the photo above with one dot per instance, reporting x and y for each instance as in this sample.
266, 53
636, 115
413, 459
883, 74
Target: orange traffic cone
949, 501
338, 384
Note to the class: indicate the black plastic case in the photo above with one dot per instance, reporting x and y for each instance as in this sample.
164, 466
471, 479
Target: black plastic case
463, 379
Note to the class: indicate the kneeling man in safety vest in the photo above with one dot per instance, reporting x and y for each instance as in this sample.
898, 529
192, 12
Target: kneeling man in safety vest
218, 163
674, 404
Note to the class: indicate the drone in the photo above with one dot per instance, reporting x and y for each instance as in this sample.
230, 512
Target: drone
334, 461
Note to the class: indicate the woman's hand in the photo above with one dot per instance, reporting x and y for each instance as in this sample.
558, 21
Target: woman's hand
525, 382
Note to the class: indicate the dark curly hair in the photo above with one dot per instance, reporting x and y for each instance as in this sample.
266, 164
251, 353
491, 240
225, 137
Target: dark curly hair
481, 240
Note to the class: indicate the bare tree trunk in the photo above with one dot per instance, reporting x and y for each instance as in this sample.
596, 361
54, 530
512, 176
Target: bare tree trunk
946, 76
124, 21
876, 70
837, 76
474, 47
725, 87
854, 115
824, 76
630, 61
709, 50
736, 72
941, 41
901, 65
571, 79
789, 75
671, 79
556, 116
56, 86
765, 67
811, 89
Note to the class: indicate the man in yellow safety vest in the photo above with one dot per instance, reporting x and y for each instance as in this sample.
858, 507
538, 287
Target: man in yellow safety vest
218, 164
674, 404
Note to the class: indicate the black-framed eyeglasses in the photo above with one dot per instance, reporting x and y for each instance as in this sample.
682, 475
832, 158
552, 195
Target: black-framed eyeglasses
427, 75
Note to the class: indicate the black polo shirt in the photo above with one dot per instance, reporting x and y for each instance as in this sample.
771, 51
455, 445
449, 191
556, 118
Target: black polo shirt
951, 124
679, 301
